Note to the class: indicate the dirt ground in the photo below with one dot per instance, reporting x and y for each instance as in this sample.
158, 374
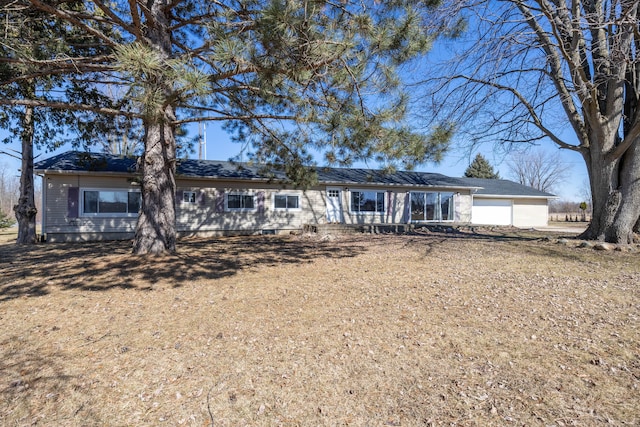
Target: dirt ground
478, 328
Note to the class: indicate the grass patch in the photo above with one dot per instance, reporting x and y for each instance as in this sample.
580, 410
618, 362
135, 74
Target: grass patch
8, 235
422, 329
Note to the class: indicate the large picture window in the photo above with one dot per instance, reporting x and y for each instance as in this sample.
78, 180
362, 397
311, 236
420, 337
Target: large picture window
286, 201
432, 206
367, 201
239, 201
111, 202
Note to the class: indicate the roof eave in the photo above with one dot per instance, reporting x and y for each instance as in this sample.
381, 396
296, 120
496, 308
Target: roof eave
67, 172
513, 196
379, 184
222, 178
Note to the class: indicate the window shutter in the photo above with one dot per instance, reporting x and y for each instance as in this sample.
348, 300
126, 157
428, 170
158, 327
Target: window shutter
261, 202
73, 202
220, 201
201, 198
407, 208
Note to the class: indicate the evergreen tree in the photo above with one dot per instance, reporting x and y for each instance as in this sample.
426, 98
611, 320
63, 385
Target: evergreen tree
5, 220
294, 76
481, 168
32, 41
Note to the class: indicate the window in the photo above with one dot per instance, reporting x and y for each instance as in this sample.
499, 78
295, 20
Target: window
367, 201
432, 206
189, 196
111, 202
238, 201
286, 201
333, 193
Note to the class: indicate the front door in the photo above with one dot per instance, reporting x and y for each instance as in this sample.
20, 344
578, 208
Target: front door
334, 205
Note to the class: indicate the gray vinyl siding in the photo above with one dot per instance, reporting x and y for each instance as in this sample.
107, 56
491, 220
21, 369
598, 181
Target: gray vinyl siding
201, 218
62, 226
208, 215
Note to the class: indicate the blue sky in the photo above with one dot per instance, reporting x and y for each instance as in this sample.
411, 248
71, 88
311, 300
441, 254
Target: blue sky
220, 147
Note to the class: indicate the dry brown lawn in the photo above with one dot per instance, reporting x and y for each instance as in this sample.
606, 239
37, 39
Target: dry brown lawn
491, 329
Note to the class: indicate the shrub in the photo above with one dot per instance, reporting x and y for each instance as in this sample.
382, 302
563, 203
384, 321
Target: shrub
5, 220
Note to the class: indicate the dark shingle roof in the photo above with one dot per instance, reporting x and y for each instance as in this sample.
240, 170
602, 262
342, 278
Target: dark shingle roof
504, 188
74, 161
372, 176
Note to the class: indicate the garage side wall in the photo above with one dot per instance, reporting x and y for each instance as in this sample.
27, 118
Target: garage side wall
530, 212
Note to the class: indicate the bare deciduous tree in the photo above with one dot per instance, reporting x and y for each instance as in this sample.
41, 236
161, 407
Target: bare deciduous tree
541, 170
9, 189
568, 72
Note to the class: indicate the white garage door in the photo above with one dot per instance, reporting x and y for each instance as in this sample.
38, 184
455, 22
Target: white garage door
491, 212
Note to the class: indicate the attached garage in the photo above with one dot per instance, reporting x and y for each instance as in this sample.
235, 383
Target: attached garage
492, 212
503, 202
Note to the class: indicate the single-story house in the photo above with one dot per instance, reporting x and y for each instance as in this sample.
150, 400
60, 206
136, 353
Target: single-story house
93, 196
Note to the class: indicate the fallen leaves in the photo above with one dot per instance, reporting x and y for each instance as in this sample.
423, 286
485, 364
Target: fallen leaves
355, 330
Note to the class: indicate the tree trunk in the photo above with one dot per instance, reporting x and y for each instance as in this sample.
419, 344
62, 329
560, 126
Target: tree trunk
628, 214
26, 210
156, 228
615, 189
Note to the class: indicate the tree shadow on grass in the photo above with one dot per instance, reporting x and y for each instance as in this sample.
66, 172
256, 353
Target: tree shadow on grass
29, 271
33, 382
497, 234
530, 241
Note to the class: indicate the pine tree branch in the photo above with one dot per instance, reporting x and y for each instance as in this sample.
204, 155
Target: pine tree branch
69, 69
69, 62
75, 19
234, 117
115, 19
69, 106
135, 19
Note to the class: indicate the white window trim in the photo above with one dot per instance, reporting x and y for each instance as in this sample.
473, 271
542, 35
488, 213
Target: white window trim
297, 194
105, 215
362, 190
195, 197
240, 193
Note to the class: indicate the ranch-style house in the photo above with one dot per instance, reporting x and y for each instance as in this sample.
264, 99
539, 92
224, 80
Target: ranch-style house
96, 196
